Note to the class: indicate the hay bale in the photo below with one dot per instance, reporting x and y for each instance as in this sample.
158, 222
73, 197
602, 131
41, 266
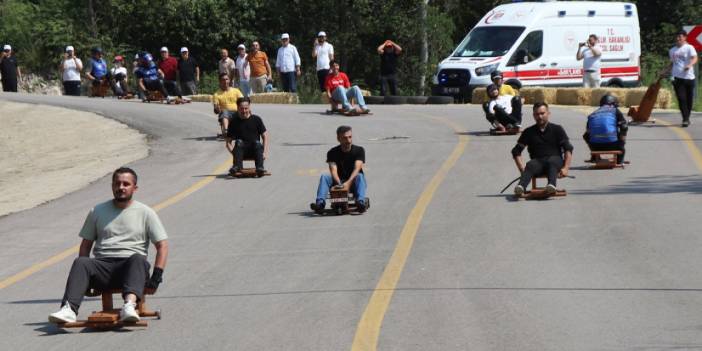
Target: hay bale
479, 96
598, 93
634, 96
573, 96
538, 94
275, 98
201, 98
665, 99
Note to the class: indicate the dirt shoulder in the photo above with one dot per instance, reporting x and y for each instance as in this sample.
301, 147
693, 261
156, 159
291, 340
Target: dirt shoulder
47, 152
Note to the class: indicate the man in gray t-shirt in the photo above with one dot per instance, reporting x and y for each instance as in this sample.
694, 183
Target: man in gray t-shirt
118, 231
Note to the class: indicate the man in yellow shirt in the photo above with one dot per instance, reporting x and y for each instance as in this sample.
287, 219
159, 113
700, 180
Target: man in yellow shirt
224, 101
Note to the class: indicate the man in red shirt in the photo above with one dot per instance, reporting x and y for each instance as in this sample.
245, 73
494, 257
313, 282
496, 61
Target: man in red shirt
339, 90
169, 66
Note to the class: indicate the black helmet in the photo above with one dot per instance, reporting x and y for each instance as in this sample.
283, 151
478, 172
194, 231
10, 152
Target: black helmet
96, 50
495, 74
609, 100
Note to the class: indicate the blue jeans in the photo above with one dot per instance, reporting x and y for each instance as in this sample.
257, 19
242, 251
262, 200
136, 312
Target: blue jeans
343, 96
289, 80
358, 189
244, 87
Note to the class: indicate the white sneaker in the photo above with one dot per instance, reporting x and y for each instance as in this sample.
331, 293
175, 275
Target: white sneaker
518, 190
550, 189
64, 315
129, 313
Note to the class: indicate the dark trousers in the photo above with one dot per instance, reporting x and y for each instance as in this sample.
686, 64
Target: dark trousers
9, 85
322, 77
244, 149
289, 80
501, 116
172, 88
536, 167
119, 85
129, 273
156, 85
388, 82
684, 90
617, 145
71, 87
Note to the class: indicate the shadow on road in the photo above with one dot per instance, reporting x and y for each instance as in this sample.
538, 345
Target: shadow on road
204, 138
691, 184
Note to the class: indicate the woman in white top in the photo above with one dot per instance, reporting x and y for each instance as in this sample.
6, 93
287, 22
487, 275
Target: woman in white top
70, 68
683, 59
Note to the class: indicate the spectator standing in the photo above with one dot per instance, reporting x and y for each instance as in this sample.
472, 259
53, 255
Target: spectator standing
97, 68
226, 64
288, 64
242, 72
324, 53
389, 52
591, 56
260, 68
683, 59
70, 68
169, 66
9, 70
189, 72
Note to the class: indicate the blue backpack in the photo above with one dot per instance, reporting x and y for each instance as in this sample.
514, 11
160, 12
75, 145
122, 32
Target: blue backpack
603, 125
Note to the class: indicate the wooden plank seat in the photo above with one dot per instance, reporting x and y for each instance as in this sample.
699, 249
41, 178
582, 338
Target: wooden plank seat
508, 131
605, 159
248, 172
108, 317
99, 90
540, 192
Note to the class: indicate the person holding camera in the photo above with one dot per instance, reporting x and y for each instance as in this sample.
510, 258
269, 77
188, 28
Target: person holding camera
9, 69
70, 72
591, 56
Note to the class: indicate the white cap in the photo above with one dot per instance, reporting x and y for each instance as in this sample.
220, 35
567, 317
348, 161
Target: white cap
163, 48
241, 46
183, 49
7, 47
136, 56
321, 34
285, 36
69, 48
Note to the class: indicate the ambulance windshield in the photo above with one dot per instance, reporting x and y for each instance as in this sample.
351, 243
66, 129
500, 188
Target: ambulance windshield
488, 41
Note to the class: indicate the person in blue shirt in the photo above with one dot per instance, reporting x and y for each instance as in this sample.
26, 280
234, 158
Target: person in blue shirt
607, 128
150, 77
97, 68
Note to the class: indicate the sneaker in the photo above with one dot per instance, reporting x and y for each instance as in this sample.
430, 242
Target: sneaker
170, 99
129, 313
550, 189
365, 110
685, 124
234, 171
260, 172
64, 315
318, 207
519, 190
361, 206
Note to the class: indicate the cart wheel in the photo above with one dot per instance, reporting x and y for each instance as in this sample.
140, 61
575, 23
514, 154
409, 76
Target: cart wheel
339, 211
158, 314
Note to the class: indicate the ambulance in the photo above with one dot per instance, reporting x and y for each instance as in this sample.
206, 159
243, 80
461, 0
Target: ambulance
535, 44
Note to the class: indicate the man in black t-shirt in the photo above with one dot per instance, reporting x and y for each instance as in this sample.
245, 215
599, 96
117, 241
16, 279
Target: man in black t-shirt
249, 137
547, 144
188, 72
345, 169
9, 70
388, 51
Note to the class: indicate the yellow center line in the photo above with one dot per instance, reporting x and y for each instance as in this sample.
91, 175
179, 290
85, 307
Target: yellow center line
687, 139
368, 329
74, 250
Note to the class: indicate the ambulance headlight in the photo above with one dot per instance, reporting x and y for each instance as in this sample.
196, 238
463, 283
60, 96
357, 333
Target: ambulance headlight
481, 71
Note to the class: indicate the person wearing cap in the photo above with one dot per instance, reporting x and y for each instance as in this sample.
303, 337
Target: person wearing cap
118, 77
224, 102
260, 68
340, 91
501, 110
606, 128
389, 51
591, 56
169, 66
683, 59
507, 92
226, 64
188, 72
324, 53
96, 71
505, 89
288, 64
135, 69
242, 73
9, 70
70, 68
150, 77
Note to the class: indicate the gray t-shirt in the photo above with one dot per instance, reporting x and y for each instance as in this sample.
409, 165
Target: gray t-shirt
122, 232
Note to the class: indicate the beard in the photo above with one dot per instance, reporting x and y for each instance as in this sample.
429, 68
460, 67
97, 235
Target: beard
122, 198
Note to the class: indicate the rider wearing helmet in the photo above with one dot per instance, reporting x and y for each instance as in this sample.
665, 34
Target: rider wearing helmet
149, 77
97, 67
607, 128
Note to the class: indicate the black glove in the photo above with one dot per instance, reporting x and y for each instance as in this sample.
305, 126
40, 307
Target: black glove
156, 279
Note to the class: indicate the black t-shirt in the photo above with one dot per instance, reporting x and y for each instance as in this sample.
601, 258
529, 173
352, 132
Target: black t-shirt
186, 69
553, 141
248, 130
346, 161
8, 69
388, 63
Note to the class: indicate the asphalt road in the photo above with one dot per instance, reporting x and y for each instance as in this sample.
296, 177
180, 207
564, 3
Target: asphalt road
611, 266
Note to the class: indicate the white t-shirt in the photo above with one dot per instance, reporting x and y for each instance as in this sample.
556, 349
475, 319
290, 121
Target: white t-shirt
681, 57
70, 70
590, 61
323, 51
118, 70
244, 72
504, 101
